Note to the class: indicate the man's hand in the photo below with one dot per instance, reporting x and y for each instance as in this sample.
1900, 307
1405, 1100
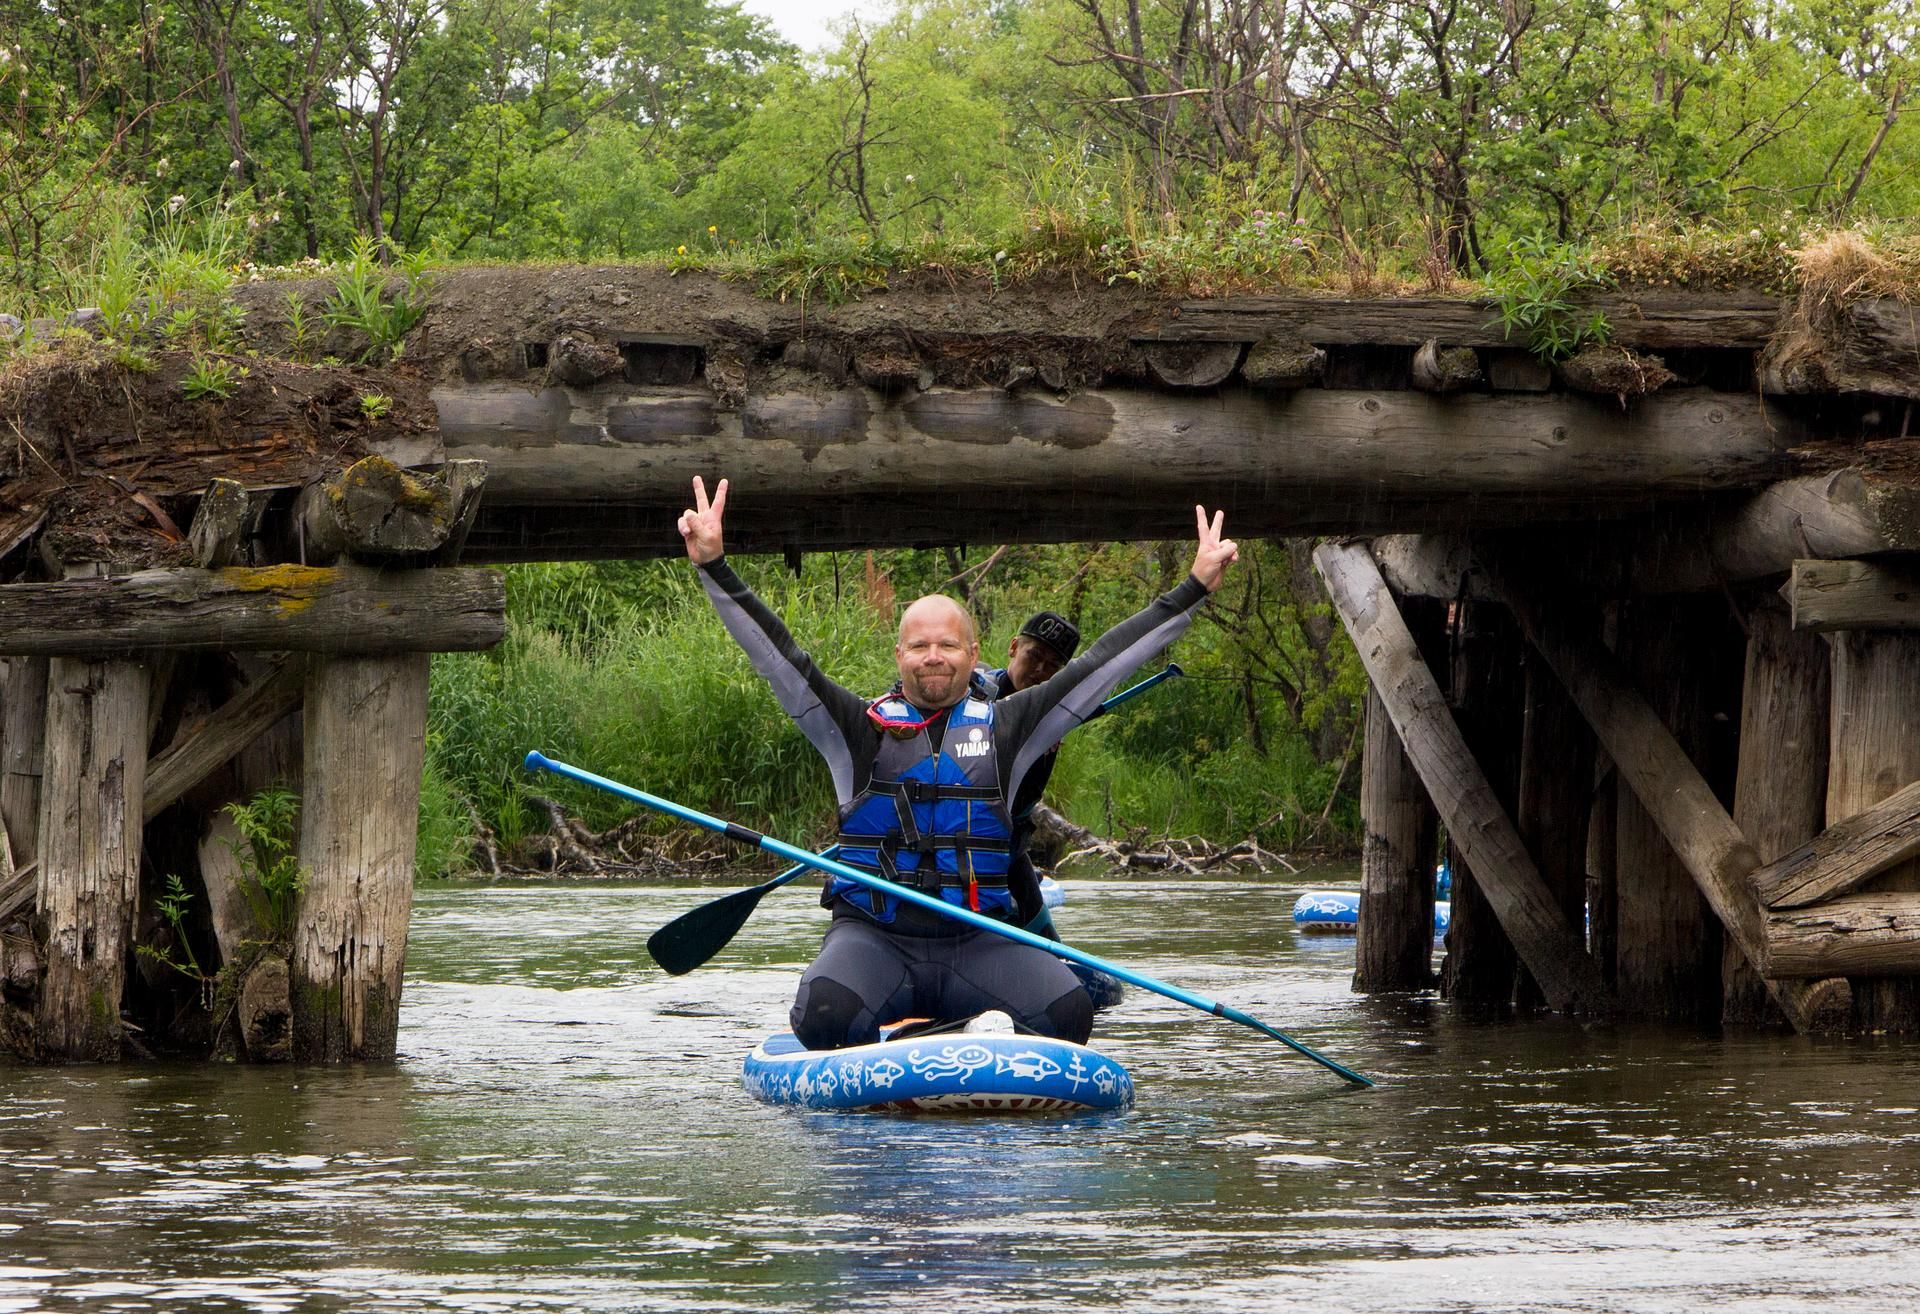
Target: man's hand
700, 524
1215, 554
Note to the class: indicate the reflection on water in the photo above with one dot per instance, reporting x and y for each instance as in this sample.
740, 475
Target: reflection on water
566, 1131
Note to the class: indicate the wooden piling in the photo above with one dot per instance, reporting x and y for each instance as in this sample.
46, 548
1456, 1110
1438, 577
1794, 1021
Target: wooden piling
1394, 944
22, 744
90, 823
365, 738
1779, 800
1481, 966
1555, 793
1874, 752
1669, 949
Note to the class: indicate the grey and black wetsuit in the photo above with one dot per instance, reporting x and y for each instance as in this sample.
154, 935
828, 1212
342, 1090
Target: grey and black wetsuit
922, 964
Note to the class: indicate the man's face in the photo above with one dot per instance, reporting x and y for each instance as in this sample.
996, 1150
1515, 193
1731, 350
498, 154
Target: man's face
935, 654
1030, 662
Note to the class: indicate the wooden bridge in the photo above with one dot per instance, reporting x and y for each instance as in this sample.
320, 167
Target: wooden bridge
1674, 788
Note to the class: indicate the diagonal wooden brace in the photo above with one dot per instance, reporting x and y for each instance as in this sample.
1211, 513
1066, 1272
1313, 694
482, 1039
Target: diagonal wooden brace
1549, 947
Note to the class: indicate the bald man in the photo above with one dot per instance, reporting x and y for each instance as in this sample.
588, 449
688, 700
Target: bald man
923, 775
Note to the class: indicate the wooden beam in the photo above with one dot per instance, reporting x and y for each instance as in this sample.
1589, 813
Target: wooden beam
235, 724
1846, 855
857, 467
1854, 595
342, 609
1860, 935
1551, 949
374, 510
1737, 320
1843, 514
1654, 766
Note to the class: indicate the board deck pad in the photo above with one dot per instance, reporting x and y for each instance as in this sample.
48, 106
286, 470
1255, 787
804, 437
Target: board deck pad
998, 1071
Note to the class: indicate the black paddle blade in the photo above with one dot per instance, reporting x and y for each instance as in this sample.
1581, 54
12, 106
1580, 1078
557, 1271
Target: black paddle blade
694, 937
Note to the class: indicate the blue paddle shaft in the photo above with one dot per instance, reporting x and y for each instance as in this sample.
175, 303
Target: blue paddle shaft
537, 761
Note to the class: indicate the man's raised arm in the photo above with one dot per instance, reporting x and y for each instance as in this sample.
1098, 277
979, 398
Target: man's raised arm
825, 712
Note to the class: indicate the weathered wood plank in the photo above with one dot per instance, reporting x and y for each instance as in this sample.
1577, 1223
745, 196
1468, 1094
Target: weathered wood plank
336, 609
1556, 789
90, 810
1484, 694
1858, 935
1662, 777
1780, 788
218, 533
366, 725
1842, 514
1669, 943
1550, 948
22, 744
1873, 752
1854, 595
617, 458
1846, 855
376, 510
1393, 947
231, 727
1737, 321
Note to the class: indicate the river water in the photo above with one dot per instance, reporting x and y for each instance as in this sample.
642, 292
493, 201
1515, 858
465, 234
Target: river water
566, 1130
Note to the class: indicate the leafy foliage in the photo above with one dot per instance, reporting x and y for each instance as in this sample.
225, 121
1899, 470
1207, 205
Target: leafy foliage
271, 876
1533, 294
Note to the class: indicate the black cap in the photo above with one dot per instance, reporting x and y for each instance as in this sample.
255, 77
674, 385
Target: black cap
1054, 630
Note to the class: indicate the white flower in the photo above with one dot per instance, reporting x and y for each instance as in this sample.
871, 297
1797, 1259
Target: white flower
909, 179
176, 203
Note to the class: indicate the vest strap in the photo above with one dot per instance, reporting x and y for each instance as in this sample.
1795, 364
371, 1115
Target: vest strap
928, 791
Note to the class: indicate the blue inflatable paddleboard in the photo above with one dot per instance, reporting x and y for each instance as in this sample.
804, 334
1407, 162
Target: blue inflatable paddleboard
948, 1072
1337, 912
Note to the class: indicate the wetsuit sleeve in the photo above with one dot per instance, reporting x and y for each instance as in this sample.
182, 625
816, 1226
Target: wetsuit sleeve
828, 714
1032, 721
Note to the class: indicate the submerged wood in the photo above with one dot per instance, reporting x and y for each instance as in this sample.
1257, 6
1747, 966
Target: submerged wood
1843, 514
90, 819
1665, 781
1854, 595
1549, 947
335, 609
365, 744
574, 472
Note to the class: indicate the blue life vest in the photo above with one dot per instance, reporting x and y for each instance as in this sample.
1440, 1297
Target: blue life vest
934, 821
